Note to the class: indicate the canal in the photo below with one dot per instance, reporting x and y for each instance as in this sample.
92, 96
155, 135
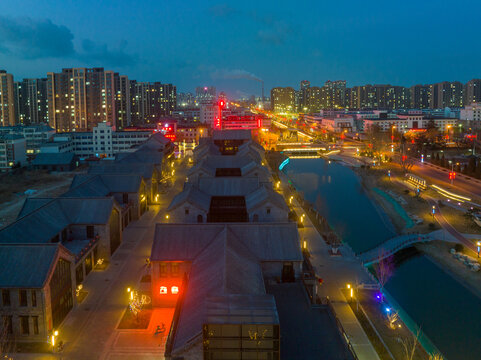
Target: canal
448, 313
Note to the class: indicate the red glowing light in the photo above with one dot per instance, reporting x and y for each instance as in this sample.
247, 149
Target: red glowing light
164, 290
217, 123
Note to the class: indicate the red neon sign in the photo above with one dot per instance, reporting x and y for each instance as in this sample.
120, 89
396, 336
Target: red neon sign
217, 123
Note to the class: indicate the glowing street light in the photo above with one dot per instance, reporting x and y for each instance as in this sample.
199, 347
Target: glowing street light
54, 337
433, 211
290, 199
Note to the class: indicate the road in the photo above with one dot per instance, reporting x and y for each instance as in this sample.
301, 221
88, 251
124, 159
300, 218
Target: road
90, 330
440, 176
448, 227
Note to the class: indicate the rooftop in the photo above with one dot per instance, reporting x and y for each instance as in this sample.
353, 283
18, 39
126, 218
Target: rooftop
26, 266
40, 219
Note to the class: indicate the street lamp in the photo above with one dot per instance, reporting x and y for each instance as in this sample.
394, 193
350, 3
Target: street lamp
433, 211
54, 336
290, 199
392, 138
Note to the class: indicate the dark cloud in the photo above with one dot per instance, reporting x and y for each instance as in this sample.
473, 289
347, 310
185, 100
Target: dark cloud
273, 31
102, 54
35, 39
27, 38
233, 74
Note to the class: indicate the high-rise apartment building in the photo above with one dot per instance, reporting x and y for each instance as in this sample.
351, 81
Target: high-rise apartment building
303, 101
314, 99
472, 92
185, 100
205, 94
420, 96
385, 97
122, 102
334, 94
283, 99
80, 98
446, 94
151, 101
31, 102
7, 99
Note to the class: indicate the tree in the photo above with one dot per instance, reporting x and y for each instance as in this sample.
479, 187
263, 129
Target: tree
407, 163
432, 132
471, 168
392, 318
409, 345
384, 269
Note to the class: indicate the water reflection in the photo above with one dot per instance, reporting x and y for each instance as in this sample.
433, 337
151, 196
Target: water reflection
448, 313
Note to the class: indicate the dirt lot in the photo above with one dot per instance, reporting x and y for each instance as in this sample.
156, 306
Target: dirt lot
14, 185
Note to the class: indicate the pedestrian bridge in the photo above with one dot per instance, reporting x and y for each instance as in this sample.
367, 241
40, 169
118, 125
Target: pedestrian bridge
390, 247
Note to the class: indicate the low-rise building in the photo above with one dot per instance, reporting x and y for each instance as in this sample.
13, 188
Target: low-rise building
228, 165
149, 172
37, 286
89, 227
35, 135
128, 190
470, 116
200, 276
12, 151
102, 141
406, 122
228, 199
54, 162
338, 124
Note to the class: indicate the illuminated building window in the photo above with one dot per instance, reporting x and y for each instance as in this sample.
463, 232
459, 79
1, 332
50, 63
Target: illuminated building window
174, 290
163, 270
174, 269
163, 290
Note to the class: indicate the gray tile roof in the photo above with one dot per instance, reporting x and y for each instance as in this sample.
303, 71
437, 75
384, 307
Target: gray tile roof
228, 186
214, 278
113, 167
65, 158
267, 241
263, 195
46, 221
246, 163
85, 185
192, 195
26, 266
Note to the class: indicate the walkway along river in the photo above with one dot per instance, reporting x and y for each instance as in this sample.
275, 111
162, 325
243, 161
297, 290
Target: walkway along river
448, 313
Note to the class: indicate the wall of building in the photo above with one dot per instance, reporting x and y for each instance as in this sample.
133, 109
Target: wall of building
178, 215
276, 214
164, 281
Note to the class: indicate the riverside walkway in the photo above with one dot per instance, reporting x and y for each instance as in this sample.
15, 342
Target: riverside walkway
337, 272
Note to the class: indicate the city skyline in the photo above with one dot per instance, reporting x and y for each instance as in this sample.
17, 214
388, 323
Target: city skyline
201, 44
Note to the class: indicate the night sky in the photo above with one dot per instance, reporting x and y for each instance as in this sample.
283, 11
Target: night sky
191, 43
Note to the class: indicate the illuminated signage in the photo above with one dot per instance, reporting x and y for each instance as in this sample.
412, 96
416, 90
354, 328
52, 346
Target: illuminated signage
164, 290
